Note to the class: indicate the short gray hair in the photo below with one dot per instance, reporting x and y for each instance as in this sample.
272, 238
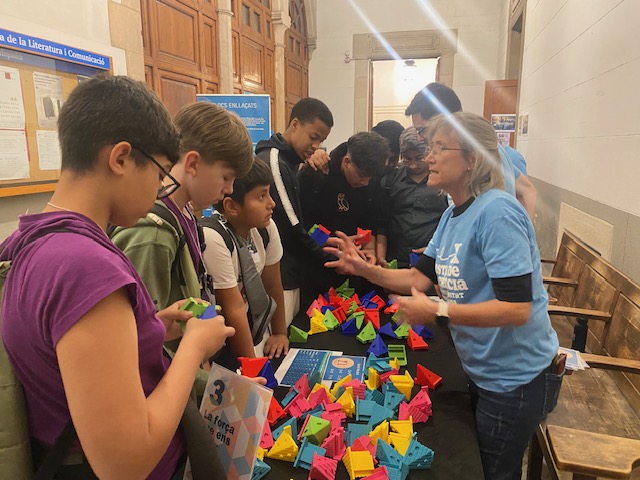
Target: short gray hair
478, 139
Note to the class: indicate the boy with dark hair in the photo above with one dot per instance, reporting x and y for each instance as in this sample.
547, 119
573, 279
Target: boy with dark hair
390, 130
79, 327
165, 246
344, 199
241, 239
409, 209
436, 99
309, 125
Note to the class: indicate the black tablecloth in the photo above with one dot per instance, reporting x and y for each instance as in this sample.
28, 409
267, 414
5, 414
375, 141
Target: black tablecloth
450, 432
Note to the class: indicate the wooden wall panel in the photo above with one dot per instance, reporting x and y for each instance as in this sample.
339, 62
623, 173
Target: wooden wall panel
177, 35
253, 64
177, 90
208, 44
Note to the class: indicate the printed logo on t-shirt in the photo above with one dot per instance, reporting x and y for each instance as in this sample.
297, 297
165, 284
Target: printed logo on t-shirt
447, 268
343, 205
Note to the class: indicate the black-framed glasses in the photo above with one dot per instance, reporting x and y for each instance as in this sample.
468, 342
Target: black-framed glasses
422, 130
437, 149
165, 190
415, 160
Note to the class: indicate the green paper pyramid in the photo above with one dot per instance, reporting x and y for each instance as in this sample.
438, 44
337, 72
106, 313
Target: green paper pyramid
403, 330
393, 264
367, 334
316, 430
296, 335
330, 320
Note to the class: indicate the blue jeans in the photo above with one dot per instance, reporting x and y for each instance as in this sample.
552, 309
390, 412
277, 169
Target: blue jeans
505, 422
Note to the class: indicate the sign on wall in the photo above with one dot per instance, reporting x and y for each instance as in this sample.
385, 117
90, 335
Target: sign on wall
253, 109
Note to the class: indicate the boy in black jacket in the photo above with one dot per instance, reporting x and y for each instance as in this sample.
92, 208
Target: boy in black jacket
309, 125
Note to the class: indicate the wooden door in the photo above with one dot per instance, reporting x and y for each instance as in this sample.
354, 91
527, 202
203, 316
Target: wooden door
180, 49
500, 97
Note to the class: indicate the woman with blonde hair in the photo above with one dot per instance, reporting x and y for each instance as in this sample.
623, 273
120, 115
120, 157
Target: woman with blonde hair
485, 261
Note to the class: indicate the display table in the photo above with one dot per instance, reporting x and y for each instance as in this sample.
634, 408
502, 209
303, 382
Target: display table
450, 432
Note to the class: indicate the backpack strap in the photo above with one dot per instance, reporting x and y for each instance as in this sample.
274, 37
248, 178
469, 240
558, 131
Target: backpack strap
264, 234
216, 222
167, 216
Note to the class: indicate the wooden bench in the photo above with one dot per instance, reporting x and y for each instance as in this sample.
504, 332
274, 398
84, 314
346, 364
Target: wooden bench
595, 429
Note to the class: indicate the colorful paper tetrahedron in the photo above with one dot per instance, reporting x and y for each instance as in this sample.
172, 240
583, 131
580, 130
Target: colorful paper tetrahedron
330, 320
367, 334
372, 315
275, 412
373, 379
402, 331
424, 376
399, 352
358, 463
364, 236
416, 342
291, 423
393, 264
298, 406
319, 234
323, 468
418, 456
306, 452
381, 432
251, 367
392, 308
404, 384
267, 372
387, 329
349, 327
317, 324
285, 448
260, 469
297, 335
302, 385
266, 441
316, 429
378, 347
334, 443
348, 405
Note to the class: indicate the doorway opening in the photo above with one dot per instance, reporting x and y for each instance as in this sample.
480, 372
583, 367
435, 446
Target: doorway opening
395, 82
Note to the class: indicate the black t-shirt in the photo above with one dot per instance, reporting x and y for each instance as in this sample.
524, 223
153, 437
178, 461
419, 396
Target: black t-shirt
330, 200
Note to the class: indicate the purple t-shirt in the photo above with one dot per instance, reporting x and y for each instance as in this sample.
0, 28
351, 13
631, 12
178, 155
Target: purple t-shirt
55, 279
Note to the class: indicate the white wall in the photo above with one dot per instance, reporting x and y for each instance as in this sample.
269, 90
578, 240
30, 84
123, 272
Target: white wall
332, 81
580, 81
79, 23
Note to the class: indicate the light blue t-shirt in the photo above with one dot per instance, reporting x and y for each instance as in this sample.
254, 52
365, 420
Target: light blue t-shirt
509, 171
493, 238
517, 160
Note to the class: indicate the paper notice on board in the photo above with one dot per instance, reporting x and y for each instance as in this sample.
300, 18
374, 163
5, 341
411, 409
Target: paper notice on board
48, 90
48, 149
14, 157
11, 104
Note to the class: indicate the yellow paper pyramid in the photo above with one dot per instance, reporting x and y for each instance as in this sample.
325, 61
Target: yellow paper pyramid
285, 448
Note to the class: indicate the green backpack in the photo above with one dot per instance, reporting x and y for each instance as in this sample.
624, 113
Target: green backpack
15, 451
15, 444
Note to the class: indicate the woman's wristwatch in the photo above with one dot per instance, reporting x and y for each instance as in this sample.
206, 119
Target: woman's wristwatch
442, 315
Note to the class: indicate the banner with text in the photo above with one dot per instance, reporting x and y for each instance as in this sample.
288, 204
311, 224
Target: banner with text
253, 109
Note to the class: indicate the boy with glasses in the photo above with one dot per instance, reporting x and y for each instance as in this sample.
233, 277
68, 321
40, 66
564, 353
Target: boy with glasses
165, 245
409, 209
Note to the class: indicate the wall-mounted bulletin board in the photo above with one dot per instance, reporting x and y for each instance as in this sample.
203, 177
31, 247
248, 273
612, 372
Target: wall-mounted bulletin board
36, 77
